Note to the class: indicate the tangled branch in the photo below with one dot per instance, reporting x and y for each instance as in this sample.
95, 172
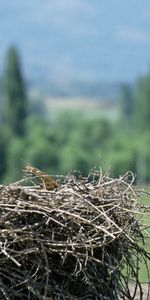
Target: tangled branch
72, 242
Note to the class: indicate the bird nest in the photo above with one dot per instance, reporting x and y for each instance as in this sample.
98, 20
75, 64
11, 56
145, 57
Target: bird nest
82, 240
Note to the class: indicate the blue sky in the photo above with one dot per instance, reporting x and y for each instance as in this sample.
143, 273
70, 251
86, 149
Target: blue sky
78, 39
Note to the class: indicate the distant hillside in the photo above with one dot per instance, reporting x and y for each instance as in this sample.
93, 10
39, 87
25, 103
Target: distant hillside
87, 106
98, 90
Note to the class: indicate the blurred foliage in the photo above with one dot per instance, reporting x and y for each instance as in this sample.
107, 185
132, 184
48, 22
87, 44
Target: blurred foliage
14, 162
127, 102
73, 140
142, 104
14, 93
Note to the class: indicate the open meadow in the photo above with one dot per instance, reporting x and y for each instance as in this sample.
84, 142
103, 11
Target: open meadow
145, 200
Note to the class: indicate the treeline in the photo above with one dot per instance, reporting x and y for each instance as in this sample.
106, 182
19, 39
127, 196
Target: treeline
71, 140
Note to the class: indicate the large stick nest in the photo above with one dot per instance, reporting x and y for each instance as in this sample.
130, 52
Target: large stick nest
72, 242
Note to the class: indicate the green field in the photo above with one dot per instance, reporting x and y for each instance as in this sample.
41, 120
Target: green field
145, 199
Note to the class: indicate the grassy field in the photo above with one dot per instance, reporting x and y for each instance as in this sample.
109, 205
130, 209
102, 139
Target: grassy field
88, 106
145, 199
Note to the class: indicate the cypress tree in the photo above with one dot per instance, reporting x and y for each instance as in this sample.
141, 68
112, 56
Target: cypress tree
15, 93
127, 102
142, 104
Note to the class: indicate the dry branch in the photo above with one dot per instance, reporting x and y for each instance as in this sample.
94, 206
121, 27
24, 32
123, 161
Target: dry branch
72, 242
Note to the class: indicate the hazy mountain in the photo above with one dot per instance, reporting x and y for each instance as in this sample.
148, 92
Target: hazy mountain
65, 41
92, 89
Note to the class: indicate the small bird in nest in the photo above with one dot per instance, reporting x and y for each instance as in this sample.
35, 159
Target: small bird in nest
48, 182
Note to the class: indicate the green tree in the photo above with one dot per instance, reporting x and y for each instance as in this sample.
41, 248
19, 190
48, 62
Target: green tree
120, 155
5, 135
127, 103
142, 127
15, 93
86, 145
14, 159
142, 104
41, 148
